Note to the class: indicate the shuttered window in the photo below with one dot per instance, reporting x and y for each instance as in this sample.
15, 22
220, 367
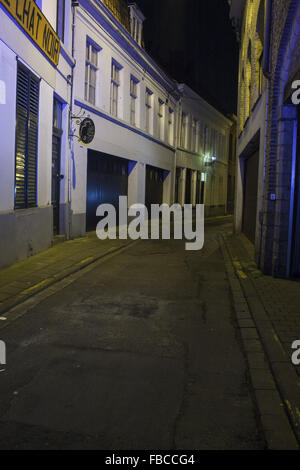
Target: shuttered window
26, 138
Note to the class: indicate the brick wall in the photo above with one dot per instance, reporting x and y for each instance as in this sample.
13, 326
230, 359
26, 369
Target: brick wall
284, 54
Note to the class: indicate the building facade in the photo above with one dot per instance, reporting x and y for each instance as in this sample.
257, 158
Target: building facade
202, 154
63, 61
267, 205
251, 123
35, 91
133, 104
231, 186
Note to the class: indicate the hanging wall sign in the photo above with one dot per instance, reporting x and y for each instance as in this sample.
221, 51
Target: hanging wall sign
35, 25
86, 131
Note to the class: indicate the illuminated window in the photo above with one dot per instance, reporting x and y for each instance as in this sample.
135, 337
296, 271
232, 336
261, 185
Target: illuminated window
91, 68
114, 88
26, 146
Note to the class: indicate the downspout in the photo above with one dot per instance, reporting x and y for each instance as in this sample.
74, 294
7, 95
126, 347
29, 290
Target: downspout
266, 72
71, 139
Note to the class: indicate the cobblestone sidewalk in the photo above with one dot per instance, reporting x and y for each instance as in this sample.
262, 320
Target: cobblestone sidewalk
280, 298
26, 278
273, 326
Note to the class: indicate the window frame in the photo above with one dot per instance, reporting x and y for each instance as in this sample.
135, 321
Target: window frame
115, 83
26, 110
183, 133
170, 125
148, 107
133, 99
59, 4
91, 48
160, 115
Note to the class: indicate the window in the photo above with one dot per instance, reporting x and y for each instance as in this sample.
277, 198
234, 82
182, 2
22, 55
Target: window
57, 114
194, 135
183, 130
133, 100
148, 103
136, 30
60, 19
114, 88
160, 115
91, 68
27, 113
170, 126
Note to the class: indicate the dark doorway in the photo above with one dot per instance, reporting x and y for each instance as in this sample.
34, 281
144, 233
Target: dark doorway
202, 192
107, 179
250, 196
56, 153
188, 181
154, 186
200, 189
177, 184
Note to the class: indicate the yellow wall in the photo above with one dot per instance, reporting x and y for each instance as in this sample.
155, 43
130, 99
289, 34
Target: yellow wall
251, 80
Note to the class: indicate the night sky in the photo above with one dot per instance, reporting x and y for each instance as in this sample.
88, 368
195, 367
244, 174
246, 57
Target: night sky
193, 40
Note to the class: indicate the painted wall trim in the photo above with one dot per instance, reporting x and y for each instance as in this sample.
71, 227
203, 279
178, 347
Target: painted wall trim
126, 42
121, 124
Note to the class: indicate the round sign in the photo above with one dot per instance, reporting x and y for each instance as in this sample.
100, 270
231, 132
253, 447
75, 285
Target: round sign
87, 131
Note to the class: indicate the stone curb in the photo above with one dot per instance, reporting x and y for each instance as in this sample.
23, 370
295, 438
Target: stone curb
262, 353
37, 288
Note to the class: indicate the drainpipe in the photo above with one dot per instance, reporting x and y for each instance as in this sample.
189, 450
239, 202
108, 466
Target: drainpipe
266, 71
71, 139
261, 214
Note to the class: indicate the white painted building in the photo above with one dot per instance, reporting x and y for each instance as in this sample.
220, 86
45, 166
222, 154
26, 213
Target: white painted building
155, 141
202, 154
31, 85
133, 105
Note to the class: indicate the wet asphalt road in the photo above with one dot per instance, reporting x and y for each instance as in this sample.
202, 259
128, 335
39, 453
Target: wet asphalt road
141, 352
